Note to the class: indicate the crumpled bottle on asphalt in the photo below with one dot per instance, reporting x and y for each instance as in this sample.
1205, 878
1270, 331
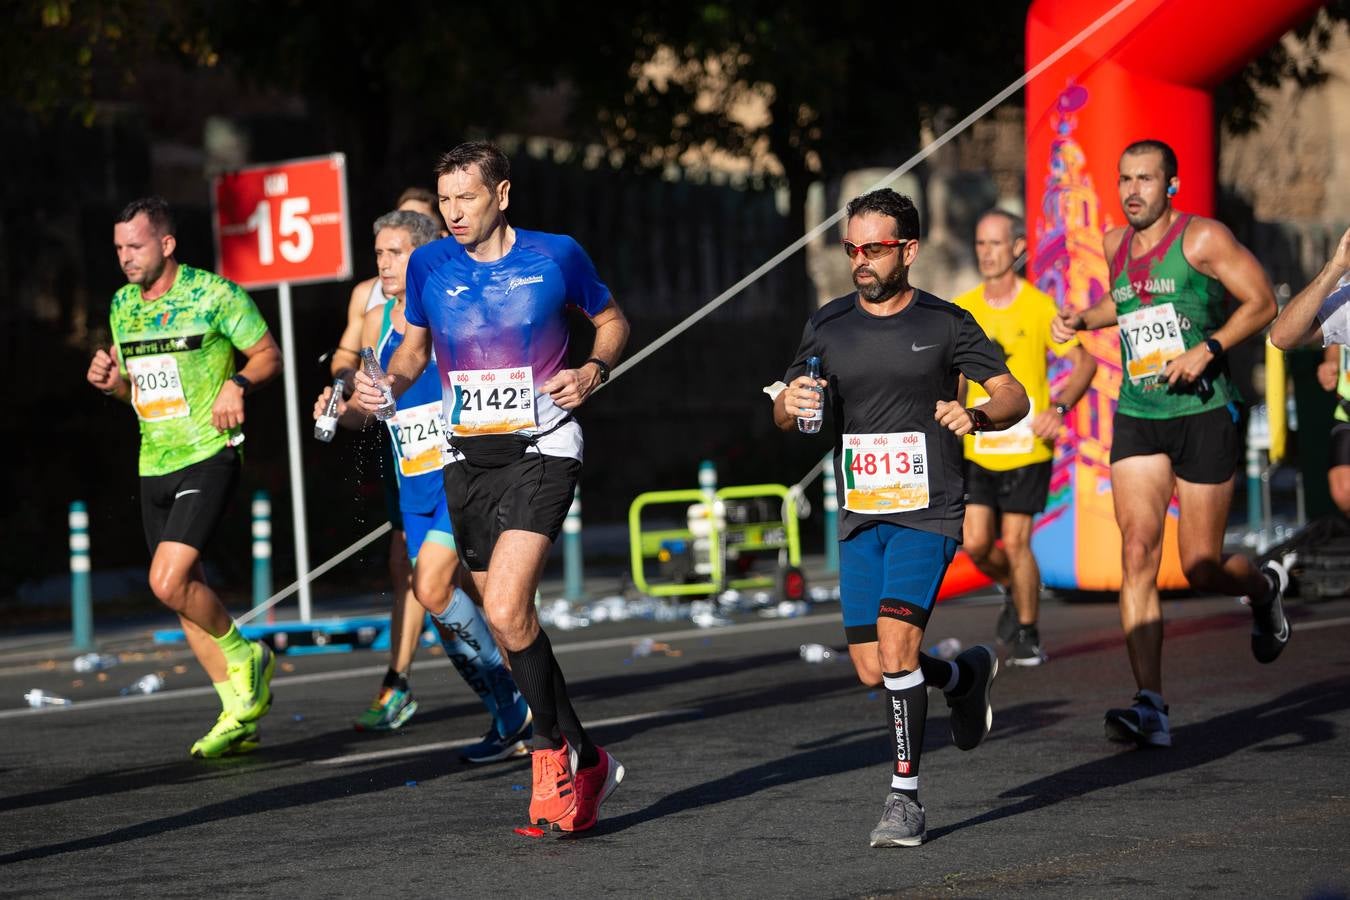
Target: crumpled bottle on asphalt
38, 698
817, 653
147, 684
93, 662
947, 648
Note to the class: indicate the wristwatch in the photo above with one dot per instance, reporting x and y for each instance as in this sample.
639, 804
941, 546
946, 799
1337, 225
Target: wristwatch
602, 366
980, 420
1213, 346
1061, 409
244, 383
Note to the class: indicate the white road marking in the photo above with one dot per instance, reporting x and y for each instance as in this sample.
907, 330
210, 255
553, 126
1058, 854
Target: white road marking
352, 758
369, 671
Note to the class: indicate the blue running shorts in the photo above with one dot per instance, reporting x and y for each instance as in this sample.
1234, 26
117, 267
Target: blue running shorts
890, 570
433, 526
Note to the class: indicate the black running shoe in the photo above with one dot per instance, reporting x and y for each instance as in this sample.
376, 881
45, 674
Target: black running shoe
1270, 629
1026, 647
1006, 629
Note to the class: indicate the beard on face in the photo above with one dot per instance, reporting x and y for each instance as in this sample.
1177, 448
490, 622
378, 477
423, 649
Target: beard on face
879, 290
1145, 217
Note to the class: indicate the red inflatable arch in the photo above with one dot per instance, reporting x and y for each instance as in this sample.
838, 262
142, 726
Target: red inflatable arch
1150, 72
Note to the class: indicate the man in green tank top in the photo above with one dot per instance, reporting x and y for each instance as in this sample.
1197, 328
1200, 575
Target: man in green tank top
175, 332
1320, 314
1175, 427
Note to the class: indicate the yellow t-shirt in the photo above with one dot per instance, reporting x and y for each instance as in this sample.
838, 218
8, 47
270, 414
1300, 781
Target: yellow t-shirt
1022, 330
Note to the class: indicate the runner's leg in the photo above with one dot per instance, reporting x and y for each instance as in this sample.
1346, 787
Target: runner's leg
1204, 513
1142, 489
1025, 574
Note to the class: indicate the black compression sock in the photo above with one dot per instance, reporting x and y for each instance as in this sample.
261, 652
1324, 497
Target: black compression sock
906, 711
396, 680
570, 724
532, 669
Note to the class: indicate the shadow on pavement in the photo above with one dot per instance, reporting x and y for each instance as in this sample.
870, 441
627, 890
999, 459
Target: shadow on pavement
1295, 716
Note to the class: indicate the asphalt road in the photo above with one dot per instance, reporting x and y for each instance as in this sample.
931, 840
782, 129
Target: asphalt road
750, 774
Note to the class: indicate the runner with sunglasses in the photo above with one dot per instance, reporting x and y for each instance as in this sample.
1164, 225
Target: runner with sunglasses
891, 357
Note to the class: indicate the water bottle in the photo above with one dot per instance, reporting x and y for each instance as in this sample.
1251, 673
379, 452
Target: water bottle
811, 424
147, 684
326, 425
93, 662
947, 648
38, 698
371, 366
816, 653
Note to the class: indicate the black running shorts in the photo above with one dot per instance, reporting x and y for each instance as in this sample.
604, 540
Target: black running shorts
1340, 445
531, 494
1204, 448
187, 505
1021, 490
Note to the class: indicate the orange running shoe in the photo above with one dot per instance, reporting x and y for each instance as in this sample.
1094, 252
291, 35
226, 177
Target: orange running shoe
554, 796
593, 786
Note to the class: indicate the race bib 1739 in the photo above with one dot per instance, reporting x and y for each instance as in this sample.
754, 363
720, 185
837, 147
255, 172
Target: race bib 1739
1152, 337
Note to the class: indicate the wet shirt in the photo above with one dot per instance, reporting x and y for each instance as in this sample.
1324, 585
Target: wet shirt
499, 330
893, 461
176, 352
1164, 307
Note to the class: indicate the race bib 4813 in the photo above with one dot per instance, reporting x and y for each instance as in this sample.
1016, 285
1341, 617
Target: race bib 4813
885, 473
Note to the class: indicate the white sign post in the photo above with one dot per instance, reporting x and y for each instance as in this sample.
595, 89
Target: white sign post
276, 225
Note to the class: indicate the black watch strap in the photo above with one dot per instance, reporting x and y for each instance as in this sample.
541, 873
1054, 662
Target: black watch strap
980, 420
243, 382
1213, 346
602, 366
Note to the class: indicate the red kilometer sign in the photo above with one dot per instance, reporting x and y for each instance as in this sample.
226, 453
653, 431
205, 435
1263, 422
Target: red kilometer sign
283, 222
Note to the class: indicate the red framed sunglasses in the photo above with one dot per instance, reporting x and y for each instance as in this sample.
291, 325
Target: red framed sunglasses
873, 249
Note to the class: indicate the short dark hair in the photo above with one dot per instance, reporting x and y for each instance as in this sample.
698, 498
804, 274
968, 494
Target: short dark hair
156, 209
888, 203
421, 229
493, 165
1017, 226
418, 194
1149, 145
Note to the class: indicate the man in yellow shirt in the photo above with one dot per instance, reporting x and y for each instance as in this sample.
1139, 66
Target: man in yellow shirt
1008, 472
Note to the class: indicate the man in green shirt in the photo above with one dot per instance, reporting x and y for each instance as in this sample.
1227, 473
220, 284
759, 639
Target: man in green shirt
1175, 428
175, 331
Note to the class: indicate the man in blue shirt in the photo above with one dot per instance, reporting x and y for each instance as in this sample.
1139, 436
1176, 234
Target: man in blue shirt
491, 300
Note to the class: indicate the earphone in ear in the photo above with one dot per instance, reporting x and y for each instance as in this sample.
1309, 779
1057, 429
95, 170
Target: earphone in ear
1171, 190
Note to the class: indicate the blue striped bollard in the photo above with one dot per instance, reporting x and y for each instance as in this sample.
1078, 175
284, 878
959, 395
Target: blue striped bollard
830, 504
81, 602
573, 575
707, 478
262, 550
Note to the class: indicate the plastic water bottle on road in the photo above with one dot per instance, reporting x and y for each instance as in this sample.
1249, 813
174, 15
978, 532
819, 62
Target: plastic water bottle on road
326, 425
38, 698
147, 684
947, 648
817, 653
811, 424
371, 366
93, 662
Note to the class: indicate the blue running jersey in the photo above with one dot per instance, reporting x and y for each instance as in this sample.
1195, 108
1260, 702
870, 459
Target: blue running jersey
418, 493
490, 320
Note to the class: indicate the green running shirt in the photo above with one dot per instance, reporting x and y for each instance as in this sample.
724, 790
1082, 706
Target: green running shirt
1164, 307
176, 352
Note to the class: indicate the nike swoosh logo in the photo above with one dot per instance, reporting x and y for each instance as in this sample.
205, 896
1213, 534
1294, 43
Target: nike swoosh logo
458, 290
916, 348
182, 494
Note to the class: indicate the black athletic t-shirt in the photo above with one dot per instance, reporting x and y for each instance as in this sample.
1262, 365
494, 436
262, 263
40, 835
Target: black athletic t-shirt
886, 375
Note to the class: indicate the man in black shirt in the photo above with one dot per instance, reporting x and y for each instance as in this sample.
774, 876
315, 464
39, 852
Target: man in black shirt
891, 359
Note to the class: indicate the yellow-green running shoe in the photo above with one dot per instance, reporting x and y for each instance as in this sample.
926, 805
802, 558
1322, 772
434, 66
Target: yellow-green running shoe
252, 682
388, 711
228, 736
